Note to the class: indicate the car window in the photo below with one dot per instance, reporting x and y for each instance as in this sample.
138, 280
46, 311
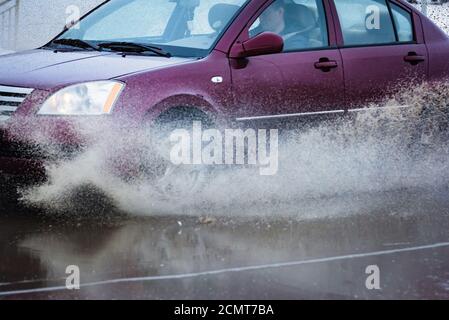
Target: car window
301, 23
116, 24
181, 26
403, 23
365, 22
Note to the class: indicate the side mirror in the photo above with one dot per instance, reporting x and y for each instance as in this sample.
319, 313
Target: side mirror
264, 43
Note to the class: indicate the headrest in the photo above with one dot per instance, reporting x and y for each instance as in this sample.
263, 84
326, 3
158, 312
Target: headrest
220, 14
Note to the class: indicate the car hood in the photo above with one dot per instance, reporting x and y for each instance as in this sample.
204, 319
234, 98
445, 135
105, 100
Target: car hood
45, 69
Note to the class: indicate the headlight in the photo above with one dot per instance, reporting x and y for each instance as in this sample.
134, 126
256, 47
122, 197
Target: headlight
85, 99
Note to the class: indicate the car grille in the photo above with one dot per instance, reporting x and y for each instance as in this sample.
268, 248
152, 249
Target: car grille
10, 99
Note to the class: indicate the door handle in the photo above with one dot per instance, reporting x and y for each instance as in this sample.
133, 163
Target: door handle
413, 58
325, 64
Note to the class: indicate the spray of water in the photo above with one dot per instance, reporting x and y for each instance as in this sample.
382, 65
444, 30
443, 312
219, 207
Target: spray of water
372, 151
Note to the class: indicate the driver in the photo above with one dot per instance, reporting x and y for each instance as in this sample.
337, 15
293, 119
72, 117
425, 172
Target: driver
273, 19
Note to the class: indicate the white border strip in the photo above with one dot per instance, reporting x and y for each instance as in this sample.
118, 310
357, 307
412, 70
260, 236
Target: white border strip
4, 118
231, 270
7, 108
277, 116
379, 108
304, 114
17, 90
10, 99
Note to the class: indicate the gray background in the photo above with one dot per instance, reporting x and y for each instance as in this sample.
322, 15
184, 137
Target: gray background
39, 21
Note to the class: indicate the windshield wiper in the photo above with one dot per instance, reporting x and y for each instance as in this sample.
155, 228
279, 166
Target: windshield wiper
77, 43
134, 47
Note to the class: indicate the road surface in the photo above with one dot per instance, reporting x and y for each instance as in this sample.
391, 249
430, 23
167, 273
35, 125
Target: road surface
404, 233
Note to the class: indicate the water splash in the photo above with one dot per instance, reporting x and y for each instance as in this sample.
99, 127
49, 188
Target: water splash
372, 151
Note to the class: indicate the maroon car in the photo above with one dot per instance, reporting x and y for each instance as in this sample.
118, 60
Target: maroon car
231, 60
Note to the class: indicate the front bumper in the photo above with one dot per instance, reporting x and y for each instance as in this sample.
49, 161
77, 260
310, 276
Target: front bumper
22, 168
20, 160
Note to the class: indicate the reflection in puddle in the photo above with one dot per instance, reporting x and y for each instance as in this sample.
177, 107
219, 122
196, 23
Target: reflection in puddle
149, 247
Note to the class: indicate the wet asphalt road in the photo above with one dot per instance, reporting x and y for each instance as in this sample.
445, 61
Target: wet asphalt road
405, 233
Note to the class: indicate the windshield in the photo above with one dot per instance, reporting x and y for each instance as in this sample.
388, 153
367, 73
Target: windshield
180, 27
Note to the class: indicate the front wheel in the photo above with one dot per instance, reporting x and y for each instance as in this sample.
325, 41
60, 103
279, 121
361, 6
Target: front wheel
172, 180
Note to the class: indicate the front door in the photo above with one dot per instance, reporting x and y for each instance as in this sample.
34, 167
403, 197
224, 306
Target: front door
305, 79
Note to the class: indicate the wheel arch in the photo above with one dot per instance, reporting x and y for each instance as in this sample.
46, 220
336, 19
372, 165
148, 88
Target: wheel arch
184, 105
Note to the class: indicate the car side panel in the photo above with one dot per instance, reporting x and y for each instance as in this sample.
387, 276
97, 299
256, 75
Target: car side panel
287, 84
437, 43
204, 84
373, 72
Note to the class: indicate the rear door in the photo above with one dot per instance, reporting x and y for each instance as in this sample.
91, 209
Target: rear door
298, 82
382, 49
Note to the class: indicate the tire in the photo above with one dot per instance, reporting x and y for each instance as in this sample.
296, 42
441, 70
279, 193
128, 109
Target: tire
178, 181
